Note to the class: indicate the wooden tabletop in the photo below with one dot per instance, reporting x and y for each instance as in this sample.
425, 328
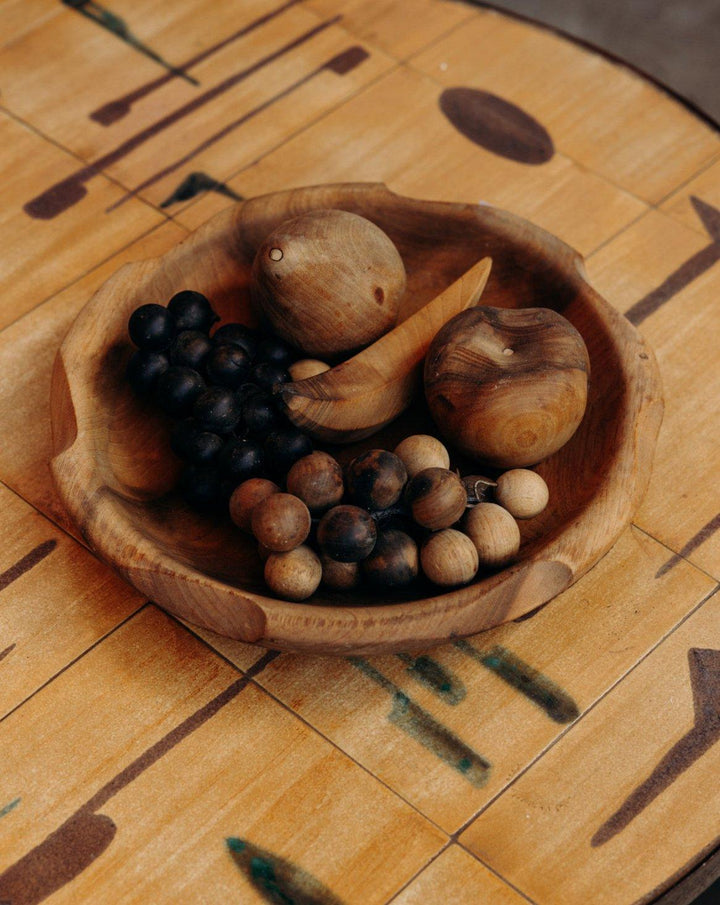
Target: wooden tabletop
566, 758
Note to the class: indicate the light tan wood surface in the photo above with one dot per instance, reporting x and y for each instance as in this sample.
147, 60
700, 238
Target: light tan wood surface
567, 757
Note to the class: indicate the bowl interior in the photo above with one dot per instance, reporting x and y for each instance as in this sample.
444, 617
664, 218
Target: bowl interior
127, 463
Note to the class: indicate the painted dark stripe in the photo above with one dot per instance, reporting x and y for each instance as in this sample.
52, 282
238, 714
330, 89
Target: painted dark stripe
196, 184
111, 22
278, 880
85, 835
425, 729
704, 666
8, 650
340, 64
433, 675
27, 562
688, 271
531, 683
695, 541
69, 191
10, 806
121, 106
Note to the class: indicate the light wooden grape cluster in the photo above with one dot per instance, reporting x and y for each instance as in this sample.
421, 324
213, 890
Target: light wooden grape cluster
385, 520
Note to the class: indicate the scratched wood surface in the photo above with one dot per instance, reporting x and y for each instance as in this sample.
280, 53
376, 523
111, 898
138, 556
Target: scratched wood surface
565, 758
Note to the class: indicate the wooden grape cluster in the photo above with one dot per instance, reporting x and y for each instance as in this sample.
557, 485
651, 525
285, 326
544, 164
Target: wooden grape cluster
386, 520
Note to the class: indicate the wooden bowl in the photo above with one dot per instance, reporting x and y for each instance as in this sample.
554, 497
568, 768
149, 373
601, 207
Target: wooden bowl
114, 471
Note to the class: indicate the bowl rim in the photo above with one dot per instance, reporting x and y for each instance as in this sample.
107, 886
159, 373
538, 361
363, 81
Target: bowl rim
550, 567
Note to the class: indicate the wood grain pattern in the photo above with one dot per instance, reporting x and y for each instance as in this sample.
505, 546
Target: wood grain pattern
190, 781
208, 575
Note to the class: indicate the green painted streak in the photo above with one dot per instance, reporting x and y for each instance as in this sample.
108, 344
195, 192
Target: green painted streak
556, 703
278, 880
10, 806
425, 729
444, 683
117, 26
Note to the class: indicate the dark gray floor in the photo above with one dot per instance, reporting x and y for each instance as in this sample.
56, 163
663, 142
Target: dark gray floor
674, 41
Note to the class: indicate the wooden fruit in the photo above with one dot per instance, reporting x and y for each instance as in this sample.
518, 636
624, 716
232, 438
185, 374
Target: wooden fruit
317, 479
507, 386
522, 492
437, 498
280, 522
307, 367
394, 561
295, 574
420, 451
246, 497
356, 398
328, 282
113, 467
375, 479
449, 558
494, 532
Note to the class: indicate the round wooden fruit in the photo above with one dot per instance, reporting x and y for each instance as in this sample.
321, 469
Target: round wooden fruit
507, 386
328, 282
114, 472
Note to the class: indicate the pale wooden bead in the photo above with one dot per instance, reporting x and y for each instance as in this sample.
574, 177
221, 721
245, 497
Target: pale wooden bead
307, 367
437, 498
340, 576
522, 492
449, 558
494, 532
421, 451
294, 575
281, 522
245, 498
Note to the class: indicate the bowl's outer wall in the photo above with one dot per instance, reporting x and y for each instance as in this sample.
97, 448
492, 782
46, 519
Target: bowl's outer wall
113, 470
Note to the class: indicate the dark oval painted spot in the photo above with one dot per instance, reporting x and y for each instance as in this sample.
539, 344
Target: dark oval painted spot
497, 125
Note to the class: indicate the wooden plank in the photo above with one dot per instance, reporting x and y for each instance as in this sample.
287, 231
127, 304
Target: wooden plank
395, 132
27, 352
200, 762
17, 17
252, 93
42, 256
470, 729
630, 795
388, 25
455, 876
602, 115
666, 277
56, 601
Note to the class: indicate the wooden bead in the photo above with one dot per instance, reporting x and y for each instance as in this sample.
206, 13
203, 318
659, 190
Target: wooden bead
494, 532
393, 562
317, 480
340, 576
347, 533
294, 575
436, 497
449, 558
245, 498
522, 492
421, 451
281, 522
376, 479
307, 367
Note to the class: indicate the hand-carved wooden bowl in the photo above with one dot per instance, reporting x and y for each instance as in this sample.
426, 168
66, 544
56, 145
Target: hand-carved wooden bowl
114, 471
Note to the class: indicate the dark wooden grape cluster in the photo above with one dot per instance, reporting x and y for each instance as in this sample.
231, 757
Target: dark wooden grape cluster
385, 520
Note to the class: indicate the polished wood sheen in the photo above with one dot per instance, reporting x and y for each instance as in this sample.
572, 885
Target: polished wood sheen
114, 473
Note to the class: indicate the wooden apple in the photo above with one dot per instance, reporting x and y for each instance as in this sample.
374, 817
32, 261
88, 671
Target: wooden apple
507, 386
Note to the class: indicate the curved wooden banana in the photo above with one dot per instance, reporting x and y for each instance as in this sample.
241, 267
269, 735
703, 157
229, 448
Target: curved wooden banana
358, 397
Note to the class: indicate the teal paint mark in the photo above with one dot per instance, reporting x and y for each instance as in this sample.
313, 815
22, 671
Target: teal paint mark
444, 683
111, 22
425, 729
278, 880
556, 703
10, 806
195, 184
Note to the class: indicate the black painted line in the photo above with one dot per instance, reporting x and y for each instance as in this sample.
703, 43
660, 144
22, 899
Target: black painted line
69, 191
8, 650
119, 107
336, 63
27, 562
695, 541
